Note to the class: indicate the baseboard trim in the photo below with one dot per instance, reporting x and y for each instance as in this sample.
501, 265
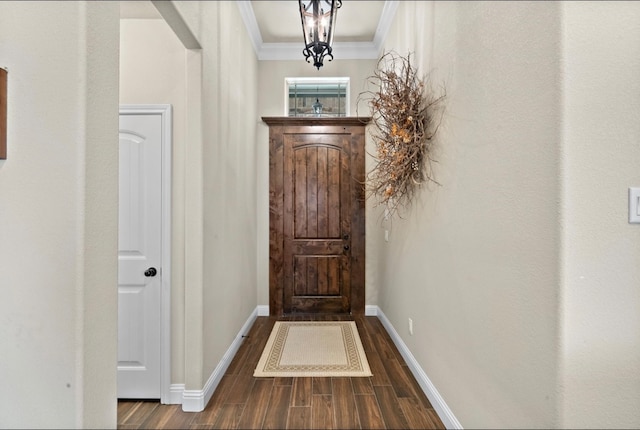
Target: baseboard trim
263, 310
175, 394
371, 310
196, 400
443, 410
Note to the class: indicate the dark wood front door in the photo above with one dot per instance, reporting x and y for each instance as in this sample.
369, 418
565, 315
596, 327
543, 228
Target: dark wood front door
317, 217
317, 234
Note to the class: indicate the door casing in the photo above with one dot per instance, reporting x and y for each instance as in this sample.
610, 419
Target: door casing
165, 112
278, 127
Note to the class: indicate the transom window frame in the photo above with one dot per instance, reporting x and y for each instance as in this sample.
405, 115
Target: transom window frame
318, 81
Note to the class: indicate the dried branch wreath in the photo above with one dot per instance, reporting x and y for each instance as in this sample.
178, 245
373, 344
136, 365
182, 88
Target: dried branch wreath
403, 109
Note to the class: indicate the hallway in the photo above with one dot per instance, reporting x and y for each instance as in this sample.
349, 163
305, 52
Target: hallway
390, 399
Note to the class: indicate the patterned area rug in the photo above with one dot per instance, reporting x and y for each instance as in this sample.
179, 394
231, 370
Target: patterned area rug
304, 348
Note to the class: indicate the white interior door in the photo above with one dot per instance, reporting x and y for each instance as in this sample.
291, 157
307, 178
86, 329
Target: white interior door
140, 257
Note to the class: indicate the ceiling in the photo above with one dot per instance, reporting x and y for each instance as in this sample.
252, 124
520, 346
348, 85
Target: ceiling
279, 21
276, 33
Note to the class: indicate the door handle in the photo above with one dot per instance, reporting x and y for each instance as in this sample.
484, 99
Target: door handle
346, 247
150, 272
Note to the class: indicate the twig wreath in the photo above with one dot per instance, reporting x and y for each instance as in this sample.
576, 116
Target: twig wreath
403, 110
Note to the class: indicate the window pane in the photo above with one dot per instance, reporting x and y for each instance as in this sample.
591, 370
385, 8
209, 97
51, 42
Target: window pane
318, 99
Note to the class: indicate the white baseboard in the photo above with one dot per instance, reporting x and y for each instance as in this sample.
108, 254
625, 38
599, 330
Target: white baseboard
263, 310
443, 410
175, 394
371, 310
196, 400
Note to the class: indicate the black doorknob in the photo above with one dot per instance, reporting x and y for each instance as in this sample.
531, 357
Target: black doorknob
346, 247
150, 272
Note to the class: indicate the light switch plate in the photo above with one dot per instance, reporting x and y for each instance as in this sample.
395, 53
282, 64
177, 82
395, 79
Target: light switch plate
634, 205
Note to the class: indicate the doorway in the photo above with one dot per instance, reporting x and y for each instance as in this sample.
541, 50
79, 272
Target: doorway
153, 77
317, 215
144, 257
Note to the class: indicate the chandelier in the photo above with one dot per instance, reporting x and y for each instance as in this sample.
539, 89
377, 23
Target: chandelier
318, 27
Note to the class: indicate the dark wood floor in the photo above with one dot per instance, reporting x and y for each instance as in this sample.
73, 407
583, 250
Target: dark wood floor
390, 399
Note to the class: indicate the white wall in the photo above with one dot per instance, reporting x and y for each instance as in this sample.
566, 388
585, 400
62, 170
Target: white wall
230, 72
601, 159
153, 71
223, 292
519, 271
58, 200
271, 101
474, 262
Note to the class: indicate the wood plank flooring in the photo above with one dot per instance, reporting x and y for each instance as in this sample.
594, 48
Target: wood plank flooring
390, 399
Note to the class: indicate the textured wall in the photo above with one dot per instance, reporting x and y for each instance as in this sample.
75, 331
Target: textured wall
58, 211
230, 97
519, 271
220, 196
474, 262
601, 159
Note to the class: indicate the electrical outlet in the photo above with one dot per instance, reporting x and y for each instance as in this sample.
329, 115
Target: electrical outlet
410, 326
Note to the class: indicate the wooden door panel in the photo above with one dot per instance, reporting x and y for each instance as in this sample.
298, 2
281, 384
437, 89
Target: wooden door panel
300, 191
316, 171
312, 184
317, 193
317, 276
323, 192
316, 246
333, 194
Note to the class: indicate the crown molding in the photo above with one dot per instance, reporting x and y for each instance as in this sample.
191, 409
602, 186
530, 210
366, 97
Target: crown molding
343, 50
250, 22
386, 19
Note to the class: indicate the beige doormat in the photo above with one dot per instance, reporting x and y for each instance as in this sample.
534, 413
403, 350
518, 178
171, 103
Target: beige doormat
318, 348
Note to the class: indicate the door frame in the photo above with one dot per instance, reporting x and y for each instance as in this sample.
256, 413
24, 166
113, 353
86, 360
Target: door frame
278, 127
165, 112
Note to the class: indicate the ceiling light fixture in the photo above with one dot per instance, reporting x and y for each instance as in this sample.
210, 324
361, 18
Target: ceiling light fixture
318, 27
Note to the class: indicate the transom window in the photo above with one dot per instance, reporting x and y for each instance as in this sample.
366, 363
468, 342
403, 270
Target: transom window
317, 96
